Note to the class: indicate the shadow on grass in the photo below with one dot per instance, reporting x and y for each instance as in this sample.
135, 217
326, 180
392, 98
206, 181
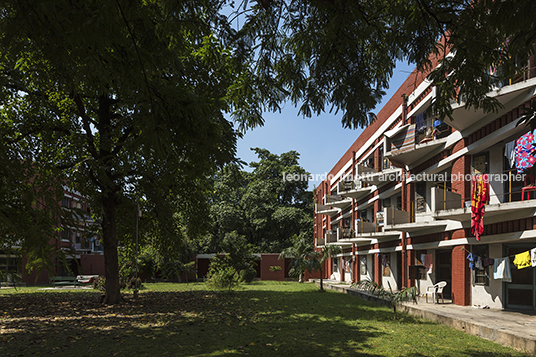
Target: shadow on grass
254, 321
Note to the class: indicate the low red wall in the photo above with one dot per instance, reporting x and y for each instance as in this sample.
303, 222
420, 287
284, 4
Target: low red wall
268, 260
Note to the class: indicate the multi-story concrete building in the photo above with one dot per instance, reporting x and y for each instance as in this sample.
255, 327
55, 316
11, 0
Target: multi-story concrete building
399, 200
81, 245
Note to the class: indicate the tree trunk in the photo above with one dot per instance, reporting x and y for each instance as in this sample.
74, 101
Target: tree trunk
109, 238
321, 281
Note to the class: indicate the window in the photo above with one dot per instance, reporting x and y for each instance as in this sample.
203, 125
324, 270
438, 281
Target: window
480, 163
420, 197
78, 237
66, 202
419, 263
11, 265
481, 276
386, 202
66, 234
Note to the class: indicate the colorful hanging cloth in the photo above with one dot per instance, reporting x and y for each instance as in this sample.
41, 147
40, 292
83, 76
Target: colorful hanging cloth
522, 260
478, 201
524, 152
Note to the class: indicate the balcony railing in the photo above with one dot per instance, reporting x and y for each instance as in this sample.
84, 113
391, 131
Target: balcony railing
330, 237
392, 216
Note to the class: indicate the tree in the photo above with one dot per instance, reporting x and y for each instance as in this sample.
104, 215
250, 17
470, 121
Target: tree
261, 205
341, 54
301, 255
121, 100
321, 257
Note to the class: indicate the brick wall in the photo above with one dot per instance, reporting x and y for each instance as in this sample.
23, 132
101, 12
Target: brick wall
461, 278
268, 260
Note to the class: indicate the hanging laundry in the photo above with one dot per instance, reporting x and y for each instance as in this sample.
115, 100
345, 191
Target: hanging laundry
486, 262
420, 123
479, 199
428, 263
510, 152
384, 261
522, 260
533, 257
501, 269
523, 152
471, 257
479, 264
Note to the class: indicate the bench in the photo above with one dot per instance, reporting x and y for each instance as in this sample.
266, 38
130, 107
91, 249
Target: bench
63, 280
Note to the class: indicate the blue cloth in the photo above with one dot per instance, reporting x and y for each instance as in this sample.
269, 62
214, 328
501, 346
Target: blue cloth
437, 123
471, 257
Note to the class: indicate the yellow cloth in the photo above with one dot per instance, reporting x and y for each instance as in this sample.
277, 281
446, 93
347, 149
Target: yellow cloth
522, 260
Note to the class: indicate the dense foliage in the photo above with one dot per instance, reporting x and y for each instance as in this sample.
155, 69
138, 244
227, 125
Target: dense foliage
260, 205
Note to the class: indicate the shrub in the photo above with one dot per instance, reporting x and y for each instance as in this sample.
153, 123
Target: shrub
100, 284
247, 275
223, 279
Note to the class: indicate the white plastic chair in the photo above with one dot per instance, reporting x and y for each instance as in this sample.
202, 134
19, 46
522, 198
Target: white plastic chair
436, 291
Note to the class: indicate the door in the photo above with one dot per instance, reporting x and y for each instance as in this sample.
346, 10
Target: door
521, 291
444, 270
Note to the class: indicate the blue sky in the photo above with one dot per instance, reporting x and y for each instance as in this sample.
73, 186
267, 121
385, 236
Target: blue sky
320, 140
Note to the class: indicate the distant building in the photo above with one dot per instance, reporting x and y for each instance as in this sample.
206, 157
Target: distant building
84, 248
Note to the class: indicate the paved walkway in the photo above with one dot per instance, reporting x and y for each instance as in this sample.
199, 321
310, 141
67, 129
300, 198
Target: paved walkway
511, 328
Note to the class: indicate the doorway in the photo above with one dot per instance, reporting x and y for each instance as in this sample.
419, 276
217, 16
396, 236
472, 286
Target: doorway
444, 270
521, 291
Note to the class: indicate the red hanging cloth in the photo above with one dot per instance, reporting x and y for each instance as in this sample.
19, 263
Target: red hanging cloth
479, 199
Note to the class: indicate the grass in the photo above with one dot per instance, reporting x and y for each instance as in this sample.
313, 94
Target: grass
261, 319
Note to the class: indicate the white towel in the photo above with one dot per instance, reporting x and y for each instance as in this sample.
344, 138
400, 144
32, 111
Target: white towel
533, 257
501, 269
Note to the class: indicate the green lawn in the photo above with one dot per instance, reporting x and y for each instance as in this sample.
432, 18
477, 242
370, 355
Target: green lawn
261, 319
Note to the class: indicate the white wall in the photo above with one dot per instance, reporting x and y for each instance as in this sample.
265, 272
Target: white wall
496, 155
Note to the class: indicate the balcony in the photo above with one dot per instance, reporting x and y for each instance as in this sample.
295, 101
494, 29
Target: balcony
411, 142
330, 237
320, 242
498, 212
381, 178
353, 189
365, 227
391, 216
337, 201
326, 210
510, 96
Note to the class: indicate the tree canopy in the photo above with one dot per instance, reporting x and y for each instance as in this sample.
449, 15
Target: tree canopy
260, 205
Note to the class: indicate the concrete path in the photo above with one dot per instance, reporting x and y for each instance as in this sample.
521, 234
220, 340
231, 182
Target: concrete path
511, 328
